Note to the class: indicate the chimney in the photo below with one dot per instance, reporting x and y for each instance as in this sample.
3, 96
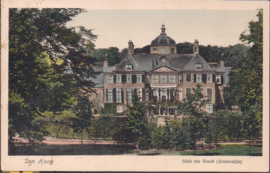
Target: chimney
163, 29
196, 47
130, 47
221, 63
105, 62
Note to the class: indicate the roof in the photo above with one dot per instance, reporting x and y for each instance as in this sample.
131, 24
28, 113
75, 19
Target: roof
128, 60
99, 79
197, 59
163, 39
148, 62
226, 71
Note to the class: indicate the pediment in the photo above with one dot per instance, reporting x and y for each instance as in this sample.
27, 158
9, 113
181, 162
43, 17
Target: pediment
163, 69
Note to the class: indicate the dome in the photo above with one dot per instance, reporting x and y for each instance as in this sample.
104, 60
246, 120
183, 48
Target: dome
163, 39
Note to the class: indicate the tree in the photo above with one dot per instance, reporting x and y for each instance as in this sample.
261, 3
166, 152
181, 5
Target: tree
245, 85
136, 121
99, 54
113, 56
195, 120
251, 125
48, 66
83, 114
123, 53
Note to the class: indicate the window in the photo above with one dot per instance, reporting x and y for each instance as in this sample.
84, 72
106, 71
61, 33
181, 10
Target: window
209, 78
110, 80
154, 49
118, 95
199, 77
119, 108
209, 94
209, 108
172, 50
155, 93
163, 78
139, 93
163, 50
163, 95
172, 77
154, 79
139, 78
128, 78
129, 67
118, 78
110, 96
188, 91
188, 77
198, 66
180, 78
129, 95
218, 79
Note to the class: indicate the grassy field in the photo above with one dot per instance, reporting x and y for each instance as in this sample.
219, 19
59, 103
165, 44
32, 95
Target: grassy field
225, 150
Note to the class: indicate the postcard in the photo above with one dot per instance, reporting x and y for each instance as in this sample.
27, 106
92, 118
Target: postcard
135, 85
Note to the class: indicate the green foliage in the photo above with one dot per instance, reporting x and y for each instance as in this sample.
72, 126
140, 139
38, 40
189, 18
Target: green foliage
40, 49
83, 114
109, 108
157, 137
99, 55
167, 136
113, 56
136, 121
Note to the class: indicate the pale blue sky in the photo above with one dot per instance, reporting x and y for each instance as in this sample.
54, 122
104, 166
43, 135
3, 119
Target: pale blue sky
116, 27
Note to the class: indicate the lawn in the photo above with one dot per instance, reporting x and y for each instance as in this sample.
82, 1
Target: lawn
225, 150
229, 150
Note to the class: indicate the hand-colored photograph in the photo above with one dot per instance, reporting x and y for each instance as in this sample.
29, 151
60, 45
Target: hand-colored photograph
135, 82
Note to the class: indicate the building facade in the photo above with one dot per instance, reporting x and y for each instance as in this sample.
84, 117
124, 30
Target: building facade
161, 76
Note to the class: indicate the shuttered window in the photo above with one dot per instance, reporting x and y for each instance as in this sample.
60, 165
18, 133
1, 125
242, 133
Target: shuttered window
199, 77
110, 95
188, 77
139, 78
209, 94
118, 78
118, 95
129, 78
180, 78
209, 78
129, 95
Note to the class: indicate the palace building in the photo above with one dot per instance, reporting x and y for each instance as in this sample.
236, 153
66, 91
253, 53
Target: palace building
158, 75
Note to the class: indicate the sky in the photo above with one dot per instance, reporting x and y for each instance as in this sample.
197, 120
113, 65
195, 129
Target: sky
211, 27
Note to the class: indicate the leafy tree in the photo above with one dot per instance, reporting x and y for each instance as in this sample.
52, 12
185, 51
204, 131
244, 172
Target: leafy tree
167, 136
99, 54
157, 137
123, 53
83, 114
41, 49
195, 120
251, 125
136, 121
113, 56
245, 85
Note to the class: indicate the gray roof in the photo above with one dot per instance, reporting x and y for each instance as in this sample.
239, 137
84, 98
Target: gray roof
163, 39
226, 71
195, 60
128, 60
148, 62
99, 79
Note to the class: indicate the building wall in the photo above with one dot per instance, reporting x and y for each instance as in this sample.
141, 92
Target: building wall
167, 49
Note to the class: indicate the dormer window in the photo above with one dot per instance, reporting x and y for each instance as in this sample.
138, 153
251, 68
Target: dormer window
154, 49
128, 67
198, 66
